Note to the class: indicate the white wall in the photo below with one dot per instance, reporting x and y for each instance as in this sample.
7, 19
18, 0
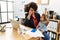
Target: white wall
19, 7
53, 5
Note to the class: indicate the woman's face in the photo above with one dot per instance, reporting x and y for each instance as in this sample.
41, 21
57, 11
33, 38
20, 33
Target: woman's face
31, 10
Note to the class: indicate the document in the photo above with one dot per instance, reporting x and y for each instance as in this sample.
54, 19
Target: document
37, 33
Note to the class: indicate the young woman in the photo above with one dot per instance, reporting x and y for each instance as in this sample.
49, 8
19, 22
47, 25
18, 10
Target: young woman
32, 18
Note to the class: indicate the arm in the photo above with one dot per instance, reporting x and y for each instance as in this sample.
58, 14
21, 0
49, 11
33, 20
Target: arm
37, 27
47, 20
41, 27
28, 21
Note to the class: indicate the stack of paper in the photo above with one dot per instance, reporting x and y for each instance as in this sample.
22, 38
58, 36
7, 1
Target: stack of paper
37, 33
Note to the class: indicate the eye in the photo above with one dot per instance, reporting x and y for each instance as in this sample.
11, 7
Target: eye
31, 10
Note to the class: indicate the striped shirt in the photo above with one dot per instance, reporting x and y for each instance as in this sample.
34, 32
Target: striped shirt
42, 26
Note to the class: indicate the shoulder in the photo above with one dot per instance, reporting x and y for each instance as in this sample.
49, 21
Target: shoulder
38, 15
39, 23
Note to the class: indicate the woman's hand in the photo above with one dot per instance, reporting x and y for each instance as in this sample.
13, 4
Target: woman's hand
29, 15
36, 27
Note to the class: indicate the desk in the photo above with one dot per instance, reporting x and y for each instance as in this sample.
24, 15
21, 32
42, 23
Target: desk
11, 34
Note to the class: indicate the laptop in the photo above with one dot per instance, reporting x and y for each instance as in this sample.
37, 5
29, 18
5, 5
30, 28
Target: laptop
15, 24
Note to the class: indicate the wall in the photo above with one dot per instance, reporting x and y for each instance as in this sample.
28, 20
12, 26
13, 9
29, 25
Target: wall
19, 8
53, 5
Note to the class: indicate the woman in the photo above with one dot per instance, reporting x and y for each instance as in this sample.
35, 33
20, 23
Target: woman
32, 18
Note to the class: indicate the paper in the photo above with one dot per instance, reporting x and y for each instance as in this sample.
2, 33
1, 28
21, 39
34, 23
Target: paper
34, 34
24, 27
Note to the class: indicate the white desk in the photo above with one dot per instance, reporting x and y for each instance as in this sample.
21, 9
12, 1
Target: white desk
31, 34
11, 34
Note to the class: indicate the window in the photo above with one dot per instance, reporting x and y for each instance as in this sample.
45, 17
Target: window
4, 17
6, 10
10, 6
3, 6
0, 18
10, 16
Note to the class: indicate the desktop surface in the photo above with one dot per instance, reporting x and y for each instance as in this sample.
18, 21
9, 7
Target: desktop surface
11, 34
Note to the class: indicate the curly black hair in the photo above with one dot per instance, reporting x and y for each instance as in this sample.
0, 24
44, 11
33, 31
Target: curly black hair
31, 5
26, 8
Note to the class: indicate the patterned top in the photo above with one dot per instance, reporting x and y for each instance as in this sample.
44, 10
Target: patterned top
42, 26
